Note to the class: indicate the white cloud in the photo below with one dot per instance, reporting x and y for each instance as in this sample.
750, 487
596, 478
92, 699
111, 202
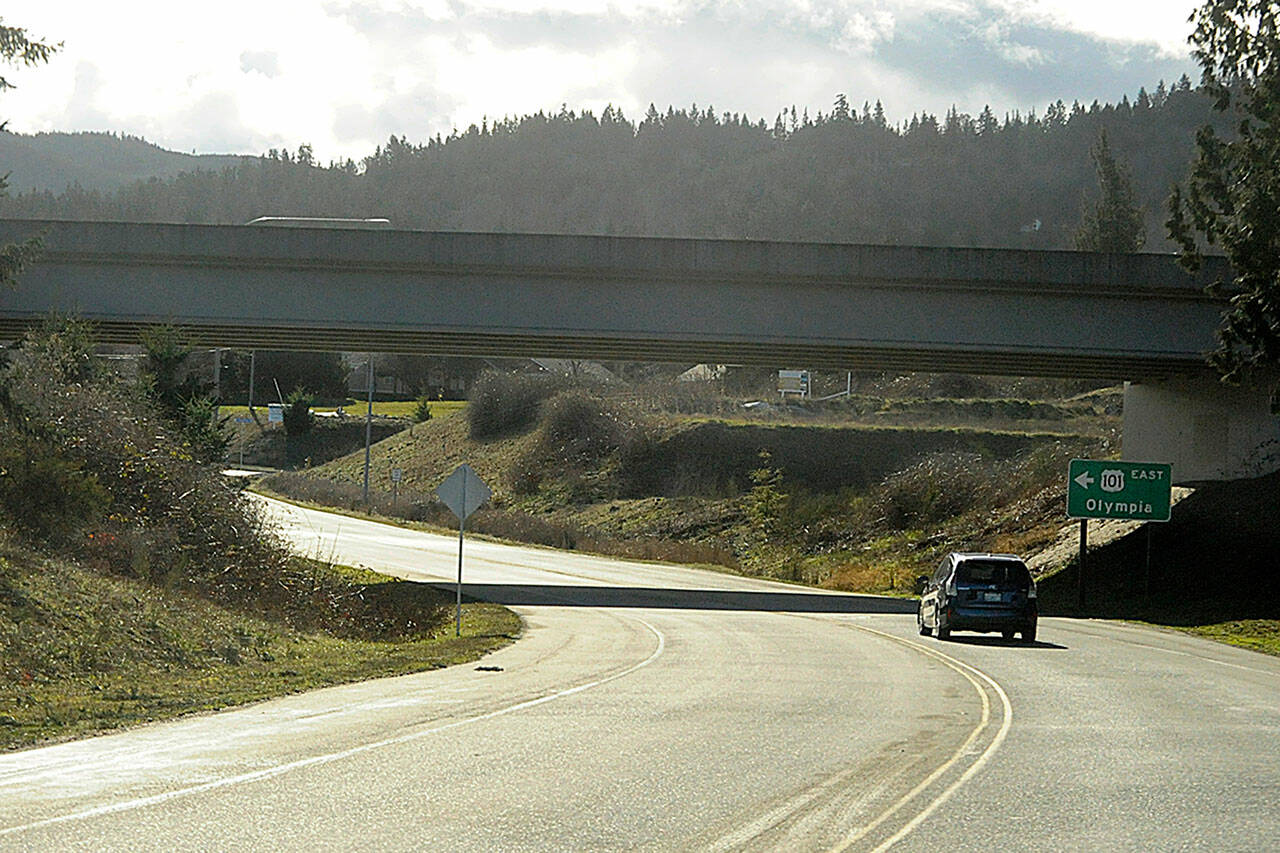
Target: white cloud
265, 62
1159, 22
343, 75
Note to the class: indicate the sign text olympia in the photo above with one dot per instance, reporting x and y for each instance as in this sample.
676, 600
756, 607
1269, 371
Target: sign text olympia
1098, 488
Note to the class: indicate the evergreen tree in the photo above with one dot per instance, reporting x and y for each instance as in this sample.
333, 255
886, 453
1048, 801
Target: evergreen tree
181, 396
1115, 223
841, 111
676, 173
1233, 194
18, 49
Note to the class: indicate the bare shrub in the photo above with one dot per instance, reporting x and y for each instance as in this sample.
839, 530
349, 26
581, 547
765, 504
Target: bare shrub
577, 433
43, 494
165, 518
938, 487
686, 398
505, 403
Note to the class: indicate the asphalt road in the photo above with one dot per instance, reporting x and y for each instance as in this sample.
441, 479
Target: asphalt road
664, 708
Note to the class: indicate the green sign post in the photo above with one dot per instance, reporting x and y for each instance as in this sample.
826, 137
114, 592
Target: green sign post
1108, 489
1100, 488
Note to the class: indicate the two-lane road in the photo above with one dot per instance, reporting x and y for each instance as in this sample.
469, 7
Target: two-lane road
653, 706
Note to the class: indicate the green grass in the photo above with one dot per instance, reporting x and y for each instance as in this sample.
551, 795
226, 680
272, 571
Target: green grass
400, 408
1259, 635
82, 652
357, 408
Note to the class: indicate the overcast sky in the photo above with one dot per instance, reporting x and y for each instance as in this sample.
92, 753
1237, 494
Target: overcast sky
242, 77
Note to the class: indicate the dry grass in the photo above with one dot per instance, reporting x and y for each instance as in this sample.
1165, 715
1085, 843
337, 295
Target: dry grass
680, 489
81, 652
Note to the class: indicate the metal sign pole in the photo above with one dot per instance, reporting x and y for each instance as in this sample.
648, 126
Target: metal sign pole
1146, 577
453, 493
1084, 546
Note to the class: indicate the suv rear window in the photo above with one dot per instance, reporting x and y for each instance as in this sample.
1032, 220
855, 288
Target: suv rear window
993, 572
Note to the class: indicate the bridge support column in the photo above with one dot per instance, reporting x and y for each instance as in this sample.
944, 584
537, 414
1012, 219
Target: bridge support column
1205, 429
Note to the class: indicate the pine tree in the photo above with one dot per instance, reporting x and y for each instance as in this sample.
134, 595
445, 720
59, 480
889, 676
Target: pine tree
841, 110
1233, 194
878, 116
18, 49
1115, 223
987, 123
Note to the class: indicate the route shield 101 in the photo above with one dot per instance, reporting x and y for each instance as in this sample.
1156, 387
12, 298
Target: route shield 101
1104, 488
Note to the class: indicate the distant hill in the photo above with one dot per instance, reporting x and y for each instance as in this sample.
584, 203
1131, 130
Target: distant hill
848, 176
98, 161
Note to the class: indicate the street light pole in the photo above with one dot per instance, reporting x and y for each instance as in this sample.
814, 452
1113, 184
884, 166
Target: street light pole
368, 432
252, 354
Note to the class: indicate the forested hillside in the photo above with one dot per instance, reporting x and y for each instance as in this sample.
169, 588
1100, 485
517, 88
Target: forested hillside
846, 176
54, 161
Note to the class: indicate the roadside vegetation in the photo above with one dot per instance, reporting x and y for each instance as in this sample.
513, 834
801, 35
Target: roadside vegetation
328, 434
137, 583
820, 493
862, 493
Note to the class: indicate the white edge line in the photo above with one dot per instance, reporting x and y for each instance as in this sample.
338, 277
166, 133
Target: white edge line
316, 760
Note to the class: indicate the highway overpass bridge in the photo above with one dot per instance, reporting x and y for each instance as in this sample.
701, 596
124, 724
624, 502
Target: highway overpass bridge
990, 311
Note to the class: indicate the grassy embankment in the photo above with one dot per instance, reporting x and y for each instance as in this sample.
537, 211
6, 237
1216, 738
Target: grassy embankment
357, 408
841, 501
812, 494
136, 583
259, 443
87, 652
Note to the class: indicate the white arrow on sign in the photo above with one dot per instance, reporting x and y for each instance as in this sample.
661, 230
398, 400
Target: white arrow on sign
463, 491
1084, 480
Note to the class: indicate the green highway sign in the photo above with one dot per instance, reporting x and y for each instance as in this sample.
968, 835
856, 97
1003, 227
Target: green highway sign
1105, 488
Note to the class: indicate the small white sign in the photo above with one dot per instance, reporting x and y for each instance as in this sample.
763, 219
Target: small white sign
793, 382
463, 491
397, 474
275, 413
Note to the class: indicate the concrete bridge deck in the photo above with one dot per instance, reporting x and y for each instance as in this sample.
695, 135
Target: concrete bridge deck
989, 311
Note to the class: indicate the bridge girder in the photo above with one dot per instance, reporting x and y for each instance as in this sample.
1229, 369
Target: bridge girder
990, 311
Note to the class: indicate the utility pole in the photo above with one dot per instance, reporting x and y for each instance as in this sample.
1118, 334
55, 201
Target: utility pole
252, 353
368, 432
252, 357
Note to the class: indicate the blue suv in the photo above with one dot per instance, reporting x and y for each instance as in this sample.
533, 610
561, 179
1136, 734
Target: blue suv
979, 592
